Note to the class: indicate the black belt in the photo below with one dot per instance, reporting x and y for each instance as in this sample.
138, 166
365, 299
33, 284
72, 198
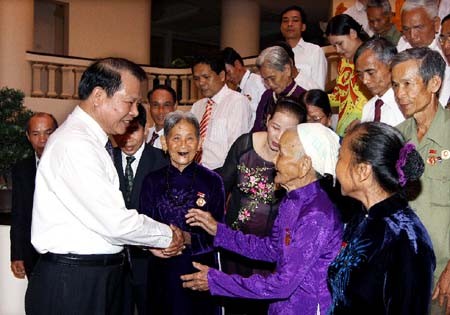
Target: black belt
86, 260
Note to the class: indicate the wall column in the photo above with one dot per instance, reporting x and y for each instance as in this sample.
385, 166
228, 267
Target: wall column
16, 29
240, 26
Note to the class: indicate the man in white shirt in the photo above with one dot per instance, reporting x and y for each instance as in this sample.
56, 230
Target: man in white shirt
420, 28
309, 58
224, 114
162, 100
249, 84
359, 13
80, 221
372, 61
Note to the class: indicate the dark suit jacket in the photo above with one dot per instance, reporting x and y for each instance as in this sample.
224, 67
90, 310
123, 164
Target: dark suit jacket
23, 177
151, 160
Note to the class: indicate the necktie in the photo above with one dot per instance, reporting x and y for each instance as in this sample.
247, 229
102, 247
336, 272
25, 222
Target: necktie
129, 178
109, 148
204, 126
153, 139
378, 104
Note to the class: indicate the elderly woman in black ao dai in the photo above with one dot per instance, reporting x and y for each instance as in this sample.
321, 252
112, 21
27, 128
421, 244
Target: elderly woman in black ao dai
166, 196
386, 262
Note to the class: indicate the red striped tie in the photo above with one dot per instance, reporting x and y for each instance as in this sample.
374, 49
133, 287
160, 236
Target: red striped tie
204, 126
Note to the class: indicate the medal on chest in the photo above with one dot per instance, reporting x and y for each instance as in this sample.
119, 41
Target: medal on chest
287, 237
201, 199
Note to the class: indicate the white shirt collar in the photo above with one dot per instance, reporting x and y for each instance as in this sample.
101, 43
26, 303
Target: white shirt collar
92, 124
137, 155
244, 79
218, 97
359, 6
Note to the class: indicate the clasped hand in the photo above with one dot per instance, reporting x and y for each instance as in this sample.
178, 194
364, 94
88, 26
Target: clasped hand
175, 247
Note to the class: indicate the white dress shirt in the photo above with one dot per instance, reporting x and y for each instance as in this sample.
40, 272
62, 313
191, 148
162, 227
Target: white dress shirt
444, 93
359, 13
230, 118
78, 207
390, 112
306, 82
137, 155
252, 87
310, 60
157, 143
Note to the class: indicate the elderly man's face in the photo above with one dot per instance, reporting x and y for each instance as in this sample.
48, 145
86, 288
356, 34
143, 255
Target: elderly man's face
287, 160
39, 129
132, 139
418, 28
444, 39
379, 22
375, 74
161, 103
115, 113
276, 80
292, 25
411, 93
182, 144
209, 82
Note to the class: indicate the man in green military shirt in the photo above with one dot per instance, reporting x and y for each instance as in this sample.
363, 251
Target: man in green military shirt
417, 76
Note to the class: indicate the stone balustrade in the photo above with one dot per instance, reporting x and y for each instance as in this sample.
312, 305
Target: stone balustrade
58, 77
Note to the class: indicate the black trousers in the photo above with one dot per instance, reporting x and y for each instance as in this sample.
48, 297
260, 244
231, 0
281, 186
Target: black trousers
76, 284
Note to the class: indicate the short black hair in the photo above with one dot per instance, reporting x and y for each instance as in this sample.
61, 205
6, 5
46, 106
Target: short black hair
141, 118
295, 8
445, 19
317, 98
383, 49
230, 56
106, 73
41, 114
165, 88
215, 61
380, 145
430, 61
291, 105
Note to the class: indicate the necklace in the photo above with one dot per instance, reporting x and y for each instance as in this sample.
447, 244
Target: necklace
275, 97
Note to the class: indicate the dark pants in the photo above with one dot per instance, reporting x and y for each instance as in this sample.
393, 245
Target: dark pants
76, 284
136, 291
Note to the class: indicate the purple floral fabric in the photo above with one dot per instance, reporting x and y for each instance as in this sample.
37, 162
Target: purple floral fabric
305, 238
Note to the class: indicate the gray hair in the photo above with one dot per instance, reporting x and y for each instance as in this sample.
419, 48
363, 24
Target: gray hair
384, 50
430, 7
430, 61
175, 117
274, 57
384, 4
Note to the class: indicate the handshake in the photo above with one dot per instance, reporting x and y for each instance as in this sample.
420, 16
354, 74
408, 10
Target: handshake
176, 247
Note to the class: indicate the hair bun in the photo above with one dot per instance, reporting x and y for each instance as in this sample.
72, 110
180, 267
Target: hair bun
410, 165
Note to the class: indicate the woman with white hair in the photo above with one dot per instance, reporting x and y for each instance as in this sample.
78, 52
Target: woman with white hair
305, 238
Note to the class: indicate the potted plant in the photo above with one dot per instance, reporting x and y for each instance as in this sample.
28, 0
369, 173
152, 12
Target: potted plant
14, 145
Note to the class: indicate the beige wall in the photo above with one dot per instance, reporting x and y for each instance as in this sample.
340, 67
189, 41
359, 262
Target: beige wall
100, 28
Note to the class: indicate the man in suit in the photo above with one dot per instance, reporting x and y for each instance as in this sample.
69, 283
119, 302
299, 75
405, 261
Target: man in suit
134, 159
23, 255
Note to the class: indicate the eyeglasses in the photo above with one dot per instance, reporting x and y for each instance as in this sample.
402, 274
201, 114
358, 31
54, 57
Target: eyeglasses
444, 38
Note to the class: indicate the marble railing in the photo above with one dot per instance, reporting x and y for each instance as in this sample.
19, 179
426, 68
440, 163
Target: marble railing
58, 76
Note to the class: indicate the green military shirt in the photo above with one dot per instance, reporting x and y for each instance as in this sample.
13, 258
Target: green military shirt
392, 35
433, 203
